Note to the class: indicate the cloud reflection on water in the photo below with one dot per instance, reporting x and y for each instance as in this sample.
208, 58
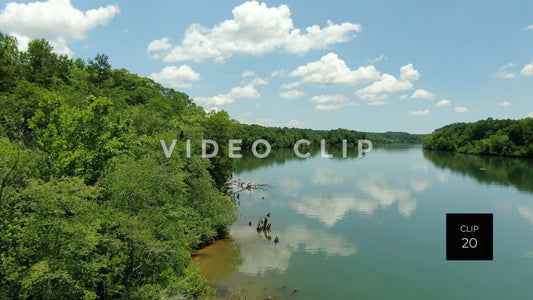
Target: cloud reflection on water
259, 256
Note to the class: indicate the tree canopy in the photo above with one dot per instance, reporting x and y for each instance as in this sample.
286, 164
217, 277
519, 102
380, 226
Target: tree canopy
485, 137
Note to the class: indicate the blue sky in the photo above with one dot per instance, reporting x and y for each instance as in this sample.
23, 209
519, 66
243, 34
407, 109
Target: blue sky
372, 66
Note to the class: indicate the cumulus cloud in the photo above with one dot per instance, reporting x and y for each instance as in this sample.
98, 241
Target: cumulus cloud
423, 94
381, 88
527, 70
505, 104
259, 81
294, 123
248, 73
55, 20
377, 59
256, 29
409, 73
245, 92
424, 112
158, 45
291, 85
443, 103
530, 27
503, 72
329, 98
377, 103
292, 94
278, 73
331, 102
461, 109
330, 69
265, 121
178, 77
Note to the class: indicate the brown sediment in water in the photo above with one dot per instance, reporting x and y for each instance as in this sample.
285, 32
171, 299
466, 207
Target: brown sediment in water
218, 260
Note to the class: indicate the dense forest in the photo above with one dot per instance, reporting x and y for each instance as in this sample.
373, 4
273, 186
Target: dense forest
485, 137
90, 207
286, 137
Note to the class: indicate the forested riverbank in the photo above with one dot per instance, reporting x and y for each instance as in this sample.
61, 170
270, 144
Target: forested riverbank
90, 207
485, 137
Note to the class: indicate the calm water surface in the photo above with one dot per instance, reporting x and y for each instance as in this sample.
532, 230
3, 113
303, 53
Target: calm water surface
374, 228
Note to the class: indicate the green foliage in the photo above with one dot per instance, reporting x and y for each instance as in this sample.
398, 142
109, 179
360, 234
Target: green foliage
90, 207
485, 137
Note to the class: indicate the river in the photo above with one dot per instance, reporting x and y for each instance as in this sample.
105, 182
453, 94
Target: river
374, 227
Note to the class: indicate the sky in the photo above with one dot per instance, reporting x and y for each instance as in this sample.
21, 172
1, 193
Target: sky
375, 66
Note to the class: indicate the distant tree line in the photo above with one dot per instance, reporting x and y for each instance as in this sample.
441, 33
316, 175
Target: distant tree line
283, 137
485, 137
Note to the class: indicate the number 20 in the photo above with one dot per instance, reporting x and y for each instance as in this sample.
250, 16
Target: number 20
469, 243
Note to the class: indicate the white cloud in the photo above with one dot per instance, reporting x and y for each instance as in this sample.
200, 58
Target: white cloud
291, 85
503, 73
527, 70
331, 102
377, 103
377, 59
245, 92
387, 84
330, 69
530, 115
55, 20
424, 112
259, 81
176, 76
409, 73
278, 73
292, 94
530, 27
461, 109
256, 29
329, 106
505, 104
158, 45
423, 94
402, 97
373, 97
294, 123
248, 73
329, 98
265, 121
443, 103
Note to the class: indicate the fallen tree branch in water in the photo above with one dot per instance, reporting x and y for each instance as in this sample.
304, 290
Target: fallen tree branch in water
237, 186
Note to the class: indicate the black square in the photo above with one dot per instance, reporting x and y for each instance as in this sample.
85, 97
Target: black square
469, 237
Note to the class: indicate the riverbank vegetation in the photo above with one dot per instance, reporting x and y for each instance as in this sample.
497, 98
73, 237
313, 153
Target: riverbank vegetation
90, 207
485, 137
